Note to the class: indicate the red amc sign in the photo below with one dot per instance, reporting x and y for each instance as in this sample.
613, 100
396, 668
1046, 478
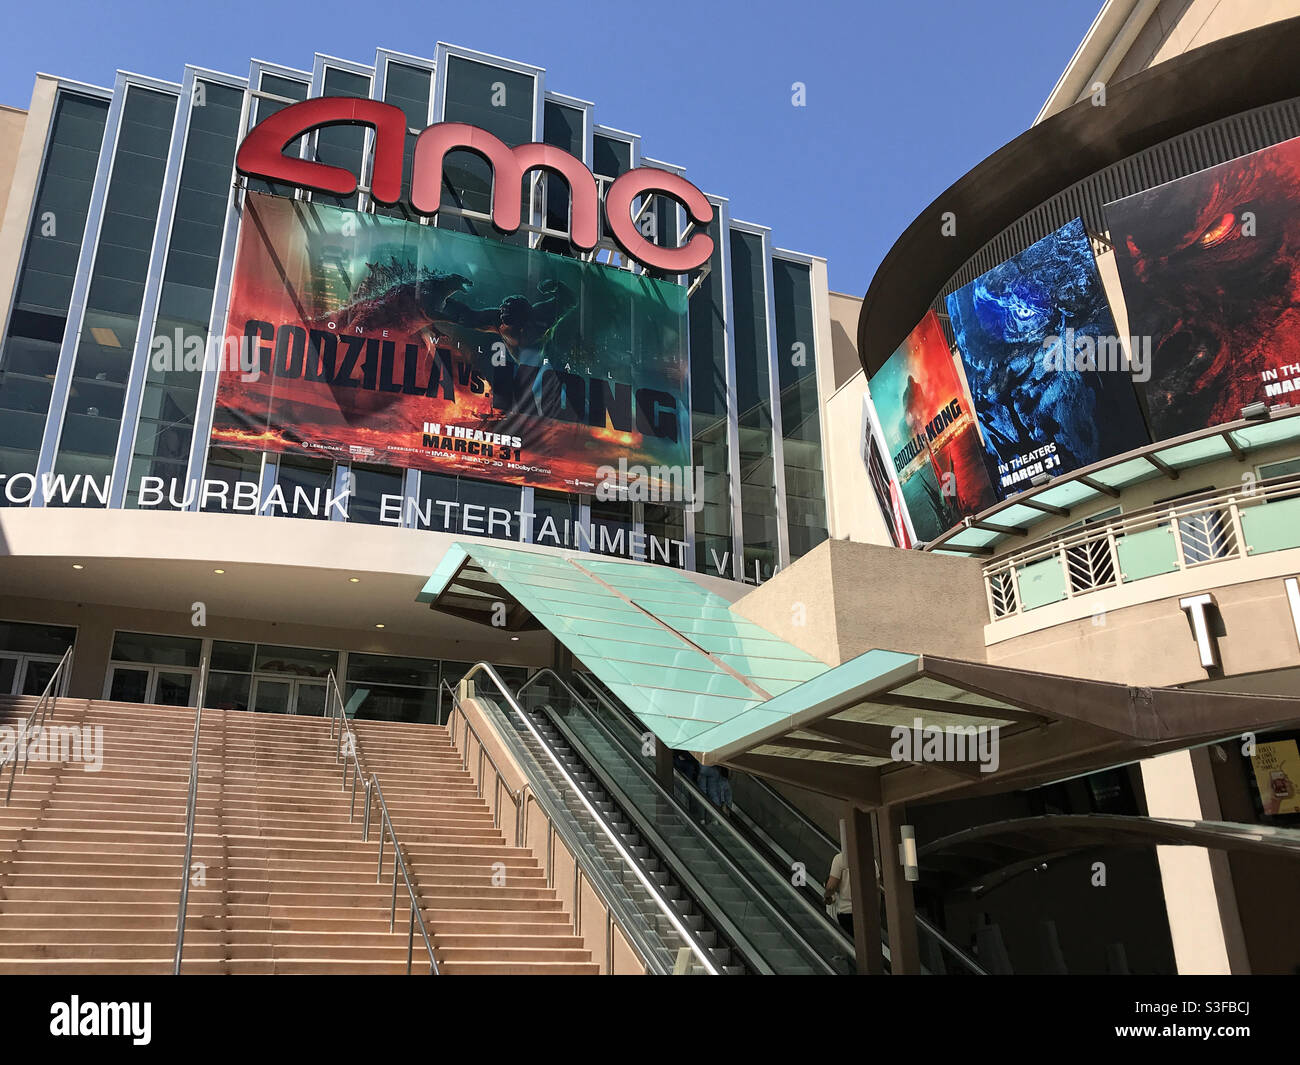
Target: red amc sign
262, 155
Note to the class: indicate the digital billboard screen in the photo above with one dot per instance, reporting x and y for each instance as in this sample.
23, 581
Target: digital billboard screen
1032, 332
1210, 268
371, 339
930, 432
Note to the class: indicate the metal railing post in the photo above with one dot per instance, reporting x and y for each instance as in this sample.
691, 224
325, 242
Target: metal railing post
190, 809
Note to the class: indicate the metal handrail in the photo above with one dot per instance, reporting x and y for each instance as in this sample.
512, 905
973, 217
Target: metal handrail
516, 797
1150, 517
693, 790
349, 753
651, 888
773, 909
191, 805
48, 699
399, 863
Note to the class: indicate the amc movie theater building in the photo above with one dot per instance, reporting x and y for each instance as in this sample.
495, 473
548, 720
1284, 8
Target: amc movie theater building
401, 423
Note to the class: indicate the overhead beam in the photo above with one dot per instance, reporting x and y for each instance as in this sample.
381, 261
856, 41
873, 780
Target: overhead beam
857, 784
879, 740
943, 706
1097, 486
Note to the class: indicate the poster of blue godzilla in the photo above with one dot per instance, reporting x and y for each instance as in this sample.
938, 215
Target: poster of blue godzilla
1040, 409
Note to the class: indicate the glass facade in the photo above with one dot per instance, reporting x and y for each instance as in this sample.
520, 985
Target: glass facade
411, 89
710, 413
159, 251
801, 429
754, 402
111, 321
180, 333
501, 102
43, 293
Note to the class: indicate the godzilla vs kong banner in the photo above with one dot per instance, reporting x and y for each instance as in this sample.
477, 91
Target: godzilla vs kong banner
371, 339
930, 432
1210, 267
1041, 409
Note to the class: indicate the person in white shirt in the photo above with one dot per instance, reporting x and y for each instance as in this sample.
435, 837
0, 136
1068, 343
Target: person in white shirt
839, 893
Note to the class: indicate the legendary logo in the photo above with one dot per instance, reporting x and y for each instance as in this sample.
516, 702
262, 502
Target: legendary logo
262, 155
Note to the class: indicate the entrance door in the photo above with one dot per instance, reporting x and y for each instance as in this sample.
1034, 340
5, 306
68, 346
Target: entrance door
25, 674
159, 685
305, 698
309, 698
129, 684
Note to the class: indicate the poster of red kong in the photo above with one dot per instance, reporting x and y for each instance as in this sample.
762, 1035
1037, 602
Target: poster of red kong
929, 428
370, 339
1210, 268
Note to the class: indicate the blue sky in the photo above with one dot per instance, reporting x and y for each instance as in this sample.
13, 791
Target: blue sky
902, 97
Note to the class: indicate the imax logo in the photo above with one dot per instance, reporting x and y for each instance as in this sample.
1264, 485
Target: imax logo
262, 155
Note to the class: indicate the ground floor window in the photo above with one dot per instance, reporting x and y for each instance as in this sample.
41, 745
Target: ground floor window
29, 654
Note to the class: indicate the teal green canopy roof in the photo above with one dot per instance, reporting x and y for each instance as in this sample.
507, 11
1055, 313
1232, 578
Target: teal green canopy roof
706, 680
676, 654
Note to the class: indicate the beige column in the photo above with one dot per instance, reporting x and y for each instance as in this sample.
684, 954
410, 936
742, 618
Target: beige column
1199, 898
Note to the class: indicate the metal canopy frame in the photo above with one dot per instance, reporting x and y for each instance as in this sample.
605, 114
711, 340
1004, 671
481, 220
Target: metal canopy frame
1049, 727
994, 530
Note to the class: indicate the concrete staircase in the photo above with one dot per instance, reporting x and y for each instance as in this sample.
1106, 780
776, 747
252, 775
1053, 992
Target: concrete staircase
90, 861
485, 902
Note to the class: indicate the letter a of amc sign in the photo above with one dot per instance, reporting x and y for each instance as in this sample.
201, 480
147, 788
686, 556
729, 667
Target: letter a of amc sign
262, 155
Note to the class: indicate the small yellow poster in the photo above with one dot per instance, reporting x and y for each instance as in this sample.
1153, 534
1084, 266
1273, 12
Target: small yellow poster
1277, 772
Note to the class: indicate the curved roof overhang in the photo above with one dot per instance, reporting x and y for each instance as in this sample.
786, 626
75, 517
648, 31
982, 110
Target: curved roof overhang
977, 860
1009, 525
1232, 75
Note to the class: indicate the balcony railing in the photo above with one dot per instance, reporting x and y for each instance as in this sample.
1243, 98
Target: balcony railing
1249, 519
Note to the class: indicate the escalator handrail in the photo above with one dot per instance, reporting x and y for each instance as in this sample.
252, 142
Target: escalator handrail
817, 913
625, 715
774, 911
763, 785
696, 948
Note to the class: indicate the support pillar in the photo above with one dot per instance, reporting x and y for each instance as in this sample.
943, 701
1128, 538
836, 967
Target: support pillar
859, 852
664, 764
900, 908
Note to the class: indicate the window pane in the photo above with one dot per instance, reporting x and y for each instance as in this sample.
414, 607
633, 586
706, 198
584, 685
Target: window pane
156, 650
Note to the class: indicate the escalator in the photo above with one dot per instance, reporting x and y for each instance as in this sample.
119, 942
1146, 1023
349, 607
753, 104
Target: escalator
761, 820
751, 904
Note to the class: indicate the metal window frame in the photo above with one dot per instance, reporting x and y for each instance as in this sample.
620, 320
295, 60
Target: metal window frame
764, 233
819, 301
384, 58
205, 406
52, 437
74, 88
722, 207
588, 110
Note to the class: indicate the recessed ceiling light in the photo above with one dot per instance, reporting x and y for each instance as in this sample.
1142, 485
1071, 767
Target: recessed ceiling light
218, 571
380, 625
354, 580
514, 638
78, 565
